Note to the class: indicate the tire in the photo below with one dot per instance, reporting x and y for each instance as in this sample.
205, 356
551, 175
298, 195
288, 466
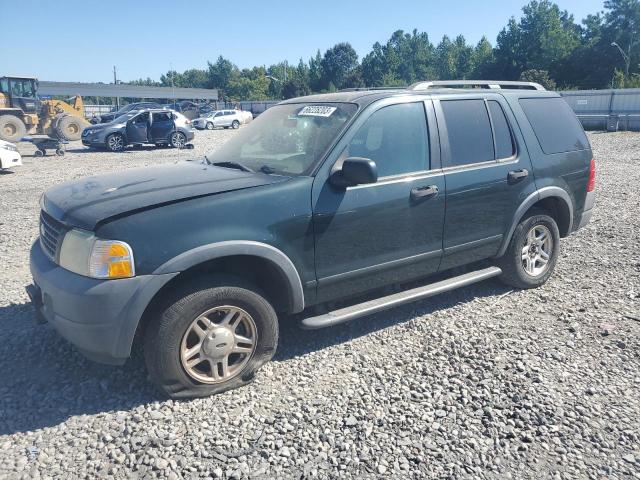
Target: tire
235, 124
69, 127
178, 140
40, 153
170, 333
209, 126
12, 128
115, 142
527, 269
60, 152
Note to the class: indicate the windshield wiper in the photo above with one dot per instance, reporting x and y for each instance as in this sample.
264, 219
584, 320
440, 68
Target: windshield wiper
236, 165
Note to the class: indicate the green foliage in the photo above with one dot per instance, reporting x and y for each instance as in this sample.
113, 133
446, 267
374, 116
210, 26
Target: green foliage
338, 65
539, 76
544, 45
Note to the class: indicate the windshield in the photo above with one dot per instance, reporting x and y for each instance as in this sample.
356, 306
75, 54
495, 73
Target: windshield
124, 118
286, 139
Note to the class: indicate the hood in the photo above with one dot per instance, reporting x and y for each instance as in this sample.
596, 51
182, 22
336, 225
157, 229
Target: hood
85, 203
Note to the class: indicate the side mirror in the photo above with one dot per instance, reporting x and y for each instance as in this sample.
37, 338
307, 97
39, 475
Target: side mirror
355, 171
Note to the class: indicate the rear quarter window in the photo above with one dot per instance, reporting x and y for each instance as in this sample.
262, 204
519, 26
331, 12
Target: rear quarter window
555, 125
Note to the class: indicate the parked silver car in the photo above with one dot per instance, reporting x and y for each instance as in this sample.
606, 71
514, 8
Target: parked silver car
222, 118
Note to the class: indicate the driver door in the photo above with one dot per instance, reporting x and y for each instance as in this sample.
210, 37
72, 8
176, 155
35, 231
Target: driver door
369, 236
138, 128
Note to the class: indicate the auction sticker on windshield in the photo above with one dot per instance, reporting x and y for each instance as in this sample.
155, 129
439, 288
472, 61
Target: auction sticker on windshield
317, 111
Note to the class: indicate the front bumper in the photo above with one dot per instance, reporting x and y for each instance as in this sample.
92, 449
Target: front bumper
99, 317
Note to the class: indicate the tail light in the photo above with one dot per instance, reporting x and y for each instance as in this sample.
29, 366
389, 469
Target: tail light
591, 185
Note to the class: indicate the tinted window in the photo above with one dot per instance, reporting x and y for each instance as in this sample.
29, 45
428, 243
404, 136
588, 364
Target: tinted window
554, 123
394, 137
504, 140
470, 138
162, 117
142, 118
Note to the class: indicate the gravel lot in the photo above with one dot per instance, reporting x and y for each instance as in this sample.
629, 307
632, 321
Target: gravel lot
484, 382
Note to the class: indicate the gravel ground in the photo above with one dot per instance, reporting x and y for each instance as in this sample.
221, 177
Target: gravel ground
484, 382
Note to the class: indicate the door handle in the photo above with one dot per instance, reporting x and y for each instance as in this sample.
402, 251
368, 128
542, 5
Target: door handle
429, 191
517, 175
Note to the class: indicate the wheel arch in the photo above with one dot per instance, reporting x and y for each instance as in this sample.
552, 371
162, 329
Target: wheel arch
555, 200
235, 256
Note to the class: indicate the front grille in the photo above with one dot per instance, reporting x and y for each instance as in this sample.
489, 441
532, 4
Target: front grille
51, 233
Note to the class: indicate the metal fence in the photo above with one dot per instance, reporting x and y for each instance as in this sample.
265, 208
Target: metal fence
609, 110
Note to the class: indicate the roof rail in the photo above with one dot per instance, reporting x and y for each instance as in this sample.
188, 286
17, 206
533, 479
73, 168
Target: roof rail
493, 84
364, 89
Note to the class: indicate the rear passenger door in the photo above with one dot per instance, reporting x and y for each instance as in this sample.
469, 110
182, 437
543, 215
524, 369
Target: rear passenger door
161, 126
487, 171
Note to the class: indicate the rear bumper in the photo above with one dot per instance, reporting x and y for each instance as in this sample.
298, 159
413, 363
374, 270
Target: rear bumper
9, 159
589, 203
99, 317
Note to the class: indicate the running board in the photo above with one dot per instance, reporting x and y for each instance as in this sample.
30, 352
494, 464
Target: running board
372, 306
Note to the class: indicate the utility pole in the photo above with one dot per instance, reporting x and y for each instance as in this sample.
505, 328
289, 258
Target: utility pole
115, 82
173, 90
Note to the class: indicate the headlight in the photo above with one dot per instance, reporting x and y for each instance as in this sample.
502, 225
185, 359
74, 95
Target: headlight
84, 254
9, 146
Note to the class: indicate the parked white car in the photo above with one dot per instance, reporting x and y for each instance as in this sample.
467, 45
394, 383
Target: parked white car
9, 155
222, 118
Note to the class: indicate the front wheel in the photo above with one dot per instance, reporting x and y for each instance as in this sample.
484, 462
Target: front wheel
235, 125
178, 140
210, 339
532, 253
209, 126
115, 142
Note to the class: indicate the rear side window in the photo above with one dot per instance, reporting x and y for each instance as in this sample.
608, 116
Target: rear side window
555, 125
396, 138
469, 129
504, 139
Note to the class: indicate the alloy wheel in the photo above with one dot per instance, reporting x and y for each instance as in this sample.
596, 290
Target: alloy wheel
115, 143
178, 140
218, 344
537, 250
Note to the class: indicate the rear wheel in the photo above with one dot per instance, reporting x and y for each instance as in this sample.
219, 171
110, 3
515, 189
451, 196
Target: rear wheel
235, 125
178, 140
210, 339
40, 153
532, 253
115, 142
12, 128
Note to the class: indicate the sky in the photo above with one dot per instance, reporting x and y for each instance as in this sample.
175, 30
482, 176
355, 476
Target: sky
81, 40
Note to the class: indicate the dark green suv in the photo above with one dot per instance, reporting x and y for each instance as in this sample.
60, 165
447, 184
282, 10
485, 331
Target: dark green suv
321, 207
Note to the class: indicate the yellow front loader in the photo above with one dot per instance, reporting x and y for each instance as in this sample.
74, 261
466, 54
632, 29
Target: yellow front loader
22, 112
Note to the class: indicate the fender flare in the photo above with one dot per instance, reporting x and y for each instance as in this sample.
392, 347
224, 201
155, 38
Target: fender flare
205, 253
531, 200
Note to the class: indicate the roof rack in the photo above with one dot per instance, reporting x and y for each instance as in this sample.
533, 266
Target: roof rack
493, 84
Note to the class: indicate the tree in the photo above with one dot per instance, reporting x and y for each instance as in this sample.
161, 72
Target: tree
220, 74
538, 76
295, 87
543, 39
338, 63
404, 59
482, 60
315, 72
